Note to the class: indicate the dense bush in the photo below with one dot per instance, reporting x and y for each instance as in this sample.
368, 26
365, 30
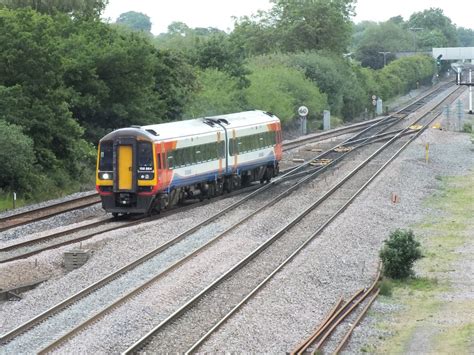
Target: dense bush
404, 74
17, 157
218, 93
399, 253
281, 90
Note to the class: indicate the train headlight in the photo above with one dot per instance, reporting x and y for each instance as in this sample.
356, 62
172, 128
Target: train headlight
106, 176
146, 176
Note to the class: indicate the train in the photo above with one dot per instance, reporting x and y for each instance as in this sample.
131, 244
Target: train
146, 169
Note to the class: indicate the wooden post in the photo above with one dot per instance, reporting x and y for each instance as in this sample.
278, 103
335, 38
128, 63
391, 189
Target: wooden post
427, 152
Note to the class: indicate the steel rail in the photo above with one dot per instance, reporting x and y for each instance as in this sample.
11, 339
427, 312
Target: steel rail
53, 235
324, 135
86, 290
26, 217
147, 338
329, 328
356, 323
137, 345
178, 263
333, 318
305, 343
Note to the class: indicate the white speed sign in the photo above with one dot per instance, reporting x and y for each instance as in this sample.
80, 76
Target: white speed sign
303, 111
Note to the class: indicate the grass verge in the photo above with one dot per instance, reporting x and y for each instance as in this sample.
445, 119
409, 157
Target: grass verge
436, 307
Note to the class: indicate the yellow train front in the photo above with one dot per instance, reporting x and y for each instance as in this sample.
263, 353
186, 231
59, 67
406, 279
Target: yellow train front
150, 168
127, 178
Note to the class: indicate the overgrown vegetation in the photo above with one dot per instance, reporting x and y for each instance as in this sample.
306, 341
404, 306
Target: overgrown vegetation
399, 253
67, 78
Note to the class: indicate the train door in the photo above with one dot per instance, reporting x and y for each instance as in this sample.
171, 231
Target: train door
125, 167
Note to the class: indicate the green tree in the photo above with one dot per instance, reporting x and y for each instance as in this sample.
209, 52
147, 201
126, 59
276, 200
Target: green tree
324, 70
434, 20
383, 37
294, 26
80, 8
219, 52
404, 74
218, 93
135, 20
30, 66
183, 39
465, 37
281, 90
17, 157
313, 24
117, 78
256, 35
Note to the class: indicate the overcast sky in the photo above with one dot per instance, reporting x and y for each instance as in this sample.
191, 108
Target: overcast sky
218, 13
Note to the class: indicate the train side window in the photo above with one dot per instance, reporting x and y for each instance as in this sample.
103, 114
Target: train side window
198, 154
179, 157
188, 153
221, 150
231, 146
158, 160
171, 161
208, 156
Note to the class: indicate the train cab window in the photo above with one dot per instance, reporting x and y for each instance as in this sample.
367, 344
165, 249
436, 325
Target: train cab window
145, 156
106, 160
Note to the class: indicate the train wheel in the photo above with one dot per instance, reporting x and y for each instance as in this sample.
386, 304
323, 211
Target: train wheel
115, 214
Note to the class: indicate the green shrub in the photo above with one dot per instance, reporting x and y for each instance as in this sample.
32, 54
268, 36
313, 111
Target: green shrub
386, 287
467, 127
399, 253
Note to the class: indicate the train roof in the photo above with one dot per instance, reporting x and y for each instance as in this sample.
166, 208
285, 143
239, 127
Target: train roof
198, 126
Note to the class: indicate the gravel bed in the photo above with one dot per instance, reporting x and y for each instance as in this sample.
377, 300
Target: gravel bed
63, 219
46, 203
303, 292
111, 251
53, 241
27, 237
205, 268
115, 249
58, 321
57, 261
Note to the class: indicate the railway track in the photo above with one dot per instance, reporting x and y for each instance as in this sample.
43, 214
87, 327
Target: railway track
97, 286
195, 322
71, 301
339, 313
41, 213
54, 240
30, 247
22, 218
